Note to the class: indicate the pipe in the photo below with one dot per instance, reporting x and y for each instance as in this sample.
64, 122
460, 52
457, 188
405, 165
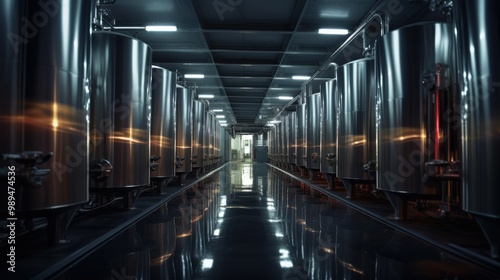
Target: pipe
384, 27
383, 19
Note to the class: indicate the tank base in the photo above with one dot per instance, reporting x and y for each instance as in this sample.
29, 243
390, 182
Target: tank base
160, 184
350, 185
330, 179
129, 194
182, 177
197, 171
311, 173
399, 204
57, 223
303, 171
491, 228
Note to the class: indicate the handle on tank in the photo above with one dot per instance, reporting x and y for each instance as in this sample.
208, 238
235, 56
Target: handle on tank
442, 170
314, 156
178, 162
29, 174
100, 169
370, 167
331, 158
153, 166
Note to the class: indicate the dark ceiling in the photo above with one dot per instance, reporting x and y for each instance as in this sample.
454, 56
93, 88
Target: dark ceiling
249, 50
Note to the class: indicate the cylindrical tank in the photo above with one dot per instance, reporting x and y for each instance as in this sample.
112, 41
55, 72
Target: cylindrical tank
414, 105
163, 125
284, 141
279, 143
292, 139
272, 144
479, 79
329, 102
300, 128
212, 120
313, 107
206, 138
356, 133
217, 142
184, 110
120, 111
356, 122
198, 133
44, 71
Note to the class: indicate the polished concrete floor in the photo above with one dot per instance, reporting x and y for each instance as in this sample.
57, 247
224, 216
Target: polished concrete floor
251, 222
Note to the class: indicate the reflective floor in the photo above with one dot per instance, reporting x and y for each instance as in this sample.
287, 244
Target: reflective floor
251, 222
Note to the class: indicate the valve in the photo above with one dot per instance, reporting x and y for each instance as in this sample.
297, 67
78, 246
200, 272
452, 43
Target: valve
100, 169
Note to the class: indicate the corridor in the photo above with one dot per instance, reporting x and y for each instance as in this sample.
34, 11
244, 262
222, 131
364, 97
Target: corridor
252, 222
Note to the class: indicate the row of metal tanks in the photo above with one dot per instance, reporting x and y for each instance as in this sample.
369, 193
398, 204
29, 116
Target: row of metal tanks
329, 240
86, 118
418, 121
170, 243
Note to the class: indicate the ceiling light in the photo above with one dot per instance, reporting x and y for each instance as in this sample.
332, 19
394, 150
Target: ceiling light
301, 77
222, 121
333, 31
220, 116
285, 97
273, 122
217, 110
161, 28
205, 96
194, 76
223, 124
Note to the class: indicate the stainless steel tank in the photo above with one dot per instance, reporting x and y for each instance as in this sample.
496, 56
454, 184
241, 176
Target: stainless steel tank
211, 139
292, 139
328, 139
313, 115
414, 107
356, 122
272, 144
206, 139
199, 132
284, 142
120, 114
476, 24
184, 118
163, 125
217, 155
300, 128
43, 118
279, 144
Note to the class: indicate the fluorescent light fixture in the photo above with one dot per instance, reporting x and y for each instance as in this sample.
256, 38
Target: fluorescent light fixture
223, 124
301, 77
273, 122
161, 28
285, 97
222, 121
194, 76
333, 31
218, 110
205, 96
220, 116
207, 264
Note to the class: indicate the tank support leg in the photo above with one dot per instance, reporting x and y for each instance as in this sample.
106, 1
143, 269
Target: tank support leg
399, 204
490, 228
58, 222
349, 187
330, 180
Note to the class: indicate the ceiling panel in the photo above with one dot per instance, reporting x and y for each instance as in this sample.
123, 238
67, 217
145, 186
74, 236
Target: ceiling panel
248, 50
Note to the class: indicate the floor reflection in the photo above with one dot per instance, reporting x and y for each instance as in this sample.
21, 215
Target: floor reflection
253, 223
